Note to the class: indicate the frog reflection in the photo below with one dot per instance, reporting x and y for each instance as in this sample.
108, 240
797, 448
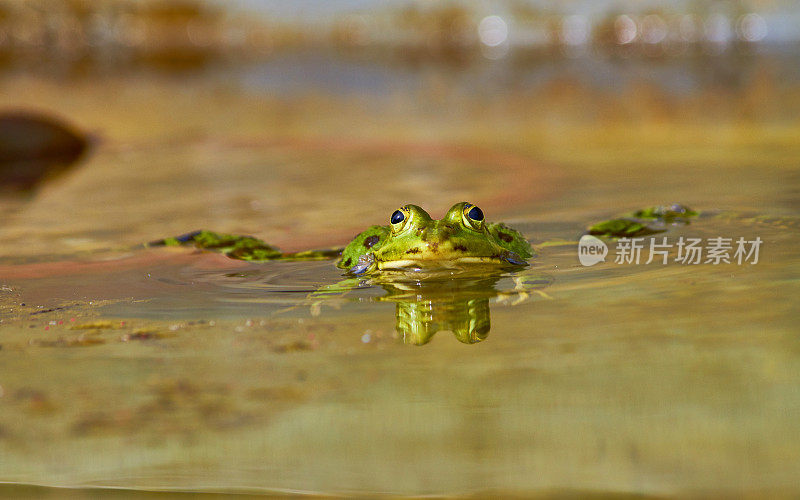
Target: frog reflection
458, 301
418, 321
459, 305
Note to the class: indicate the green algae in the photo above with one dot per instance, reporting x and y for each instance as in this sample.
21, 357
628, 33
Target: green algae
242, 247
621, 228
643, 222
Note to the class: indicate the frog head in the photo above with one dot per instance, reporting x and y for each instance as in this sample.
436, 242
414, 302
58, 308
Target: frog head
415, 240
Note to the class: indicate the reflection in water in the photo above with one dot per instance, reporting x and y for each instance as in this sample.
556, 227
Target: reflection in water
418, 321
428, 302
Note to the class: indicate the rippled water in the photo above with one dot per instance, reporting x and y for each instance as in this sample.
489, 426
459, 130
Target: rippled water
182, 370
620, 372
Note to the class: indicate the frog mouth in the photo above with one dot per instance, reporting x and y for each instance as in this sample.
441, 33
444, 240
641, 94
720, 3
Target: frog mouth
401, 264
367, 263
510, 258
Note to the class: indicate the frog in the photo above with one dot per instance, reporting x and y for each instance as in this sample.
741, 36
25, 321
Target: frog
440, 273
411, 240
414, 240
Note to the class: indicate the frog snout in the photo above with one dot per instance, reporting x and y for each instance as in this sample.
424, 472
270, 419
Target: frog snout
435, 237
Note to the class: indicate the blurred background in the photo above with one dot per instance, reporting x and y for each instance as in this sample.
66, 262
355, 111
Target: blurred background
261, 107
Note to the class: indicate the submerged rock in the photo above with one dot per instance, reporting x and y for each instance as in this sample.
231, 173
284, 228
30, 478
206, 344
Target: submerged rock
34, 147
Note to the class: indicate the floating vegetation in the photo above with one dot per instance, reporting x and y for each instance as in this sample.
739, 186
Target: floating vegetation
621, 228
643, 222
667, 213
242, 247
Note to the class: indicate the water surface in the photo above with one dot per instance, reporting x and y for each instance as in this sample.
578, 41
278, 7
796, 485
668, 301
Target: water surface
197, 372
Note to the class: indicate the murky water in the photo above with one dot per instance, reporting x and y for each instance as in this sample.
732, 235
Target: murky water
180, 370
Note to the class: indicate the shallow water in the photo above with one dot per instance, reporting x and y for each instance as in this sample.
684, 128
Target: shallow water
196, 372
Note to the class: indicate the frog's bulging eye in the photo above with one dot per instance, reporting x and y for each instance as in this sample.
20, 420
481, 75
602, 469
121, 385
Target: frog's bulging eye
400, 219
475, 214
473, 217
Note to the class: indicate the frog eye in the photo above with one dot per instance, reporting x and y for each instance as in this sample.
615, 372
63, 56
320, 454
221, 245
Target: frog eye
475, 214
473, 217
399, 219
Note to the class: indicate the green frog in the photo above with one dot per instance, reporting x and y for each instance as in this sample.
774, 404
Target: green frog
415, 240
411, 240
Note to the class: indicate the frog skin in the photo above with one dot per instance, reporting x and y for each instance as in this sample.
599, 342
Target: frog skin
412, 240
415, 240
